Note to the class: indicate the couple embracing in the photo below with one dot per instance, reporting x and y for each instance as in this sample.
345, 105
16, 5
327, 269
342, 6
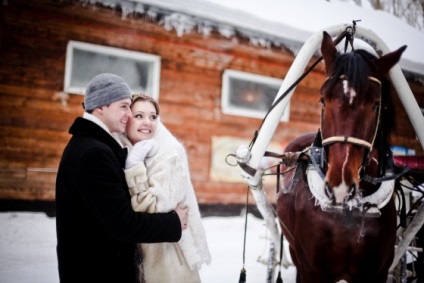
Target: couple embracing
126, 217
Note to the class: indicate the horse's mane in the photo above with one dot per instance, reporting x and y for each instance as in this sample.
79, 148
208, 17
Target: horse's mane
357, 66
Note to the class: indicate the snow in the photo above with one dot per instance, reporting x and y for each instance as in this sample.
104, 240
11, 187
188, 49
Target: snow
28, 240
28, 249
315, 15
284, 22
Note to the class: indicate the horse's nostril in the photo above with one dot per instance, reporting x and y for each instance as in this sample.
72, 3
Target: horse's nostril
328, 192
351, 193
352, 189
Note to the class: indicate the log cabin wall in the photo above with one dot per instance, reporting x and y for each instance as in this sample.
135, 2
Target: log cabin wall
36, 114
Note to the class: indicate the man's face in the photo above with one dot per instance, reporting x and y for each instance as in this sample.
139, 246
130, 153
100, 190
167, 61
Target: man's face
116, 115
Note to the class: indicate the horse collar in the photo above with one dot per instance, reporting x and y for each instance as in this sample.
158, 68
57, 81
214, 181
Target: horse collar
370, 205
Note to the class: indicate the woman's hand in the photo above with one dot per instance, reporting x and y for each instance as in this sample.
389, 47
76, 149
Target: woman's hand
139, 152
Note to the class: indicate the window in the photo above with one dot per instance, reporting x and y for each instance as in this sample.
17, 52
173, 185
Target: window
249, 95
84, 61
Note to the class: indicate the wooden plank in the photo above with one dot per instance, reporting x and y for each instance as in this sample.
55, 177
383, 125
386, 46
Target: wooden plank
36, 115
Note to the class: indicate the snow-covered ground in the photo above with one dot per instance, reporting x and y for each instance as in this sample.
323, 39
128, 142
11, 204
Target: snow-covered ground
28, 249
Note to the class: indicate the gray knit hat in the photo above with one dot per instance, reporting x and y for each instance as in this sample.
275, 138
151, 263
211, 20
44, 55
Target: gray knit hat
104, 89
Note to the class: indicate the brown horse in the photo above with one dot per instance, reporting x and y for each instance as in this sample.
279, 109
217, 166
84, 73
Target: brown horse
338, 212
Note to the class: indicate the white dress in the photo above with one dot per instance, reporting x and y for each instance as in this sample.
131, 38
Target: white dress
158, 185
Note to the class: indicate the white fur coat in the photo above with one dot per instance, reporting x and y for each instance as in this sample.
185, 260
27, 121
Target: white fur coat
158, 185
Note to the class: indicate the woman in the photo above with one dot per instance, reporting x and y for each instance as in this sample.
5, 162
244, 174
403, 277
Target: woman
158, 177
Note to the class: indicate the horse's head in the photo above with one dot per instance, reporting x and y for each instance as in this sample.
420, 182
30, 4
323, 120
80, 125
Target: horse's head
352, 104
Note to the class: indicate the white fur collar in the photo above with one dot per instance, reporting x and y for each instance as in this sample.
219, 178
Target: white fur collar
380, 198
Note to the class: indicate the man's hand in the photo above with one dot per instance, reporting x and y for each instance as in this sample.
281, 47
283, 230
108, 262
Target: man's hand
182, 212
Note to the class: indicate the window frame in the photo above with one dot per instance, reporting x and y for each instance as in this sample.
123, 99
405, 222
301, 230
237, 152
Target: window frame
226, 93
118, 53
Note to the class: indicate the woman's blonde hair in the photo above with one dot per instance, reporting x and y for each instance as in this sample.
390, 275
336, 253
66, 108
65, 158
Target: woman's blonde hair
145, 97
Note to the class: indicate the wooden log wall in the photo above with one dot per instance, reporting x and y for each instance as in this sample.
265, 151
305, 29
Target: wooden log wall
36, 114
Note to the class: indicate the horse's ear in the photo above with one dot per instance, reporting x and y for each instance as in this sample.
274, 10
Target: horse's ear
328, 51
386, 62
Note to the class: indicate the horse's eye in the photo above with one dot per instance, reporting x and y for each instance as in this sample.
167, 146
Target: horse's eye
322, 102
376, 106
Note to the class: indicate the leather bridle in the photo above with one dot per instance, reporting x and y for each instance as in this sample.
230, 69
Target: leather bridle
353, 140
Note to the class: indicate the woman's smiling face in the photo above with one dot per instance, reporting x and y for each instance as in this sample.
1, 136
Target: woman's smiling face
143, 123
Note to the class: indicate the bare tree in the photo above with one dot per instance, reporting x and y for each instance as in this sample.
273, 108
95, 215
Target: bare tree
411, 11
377, 4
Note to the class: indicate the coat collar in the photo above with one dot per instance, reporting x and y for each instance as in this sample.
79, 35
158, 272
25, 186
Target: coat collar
86, 128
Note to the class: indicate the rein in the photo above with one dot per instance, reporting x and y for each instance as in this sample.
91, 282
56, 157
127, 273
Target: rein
243, 159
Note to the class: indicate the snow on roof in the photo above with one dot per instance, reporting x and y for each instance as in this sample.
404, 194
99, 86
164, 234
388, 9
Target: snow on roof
286, 23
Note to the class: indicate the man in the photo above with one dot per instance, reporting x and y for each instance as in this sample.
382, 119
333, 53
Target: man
97, 229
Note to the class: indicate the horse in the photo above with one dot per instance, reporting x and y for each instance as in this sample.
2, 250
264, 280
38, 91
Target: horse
336, 206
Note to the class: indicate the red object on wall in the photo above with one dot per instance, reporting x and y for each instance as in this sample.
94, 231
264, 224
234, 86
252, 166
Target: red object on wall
413, 162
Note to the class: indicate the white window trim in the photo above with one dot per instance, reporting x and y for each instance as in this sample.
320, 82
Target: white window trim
127, 54
240, 111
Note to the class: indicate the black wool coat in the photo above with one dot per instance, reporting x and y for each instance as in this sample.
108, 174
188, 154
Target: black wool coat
97, 230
